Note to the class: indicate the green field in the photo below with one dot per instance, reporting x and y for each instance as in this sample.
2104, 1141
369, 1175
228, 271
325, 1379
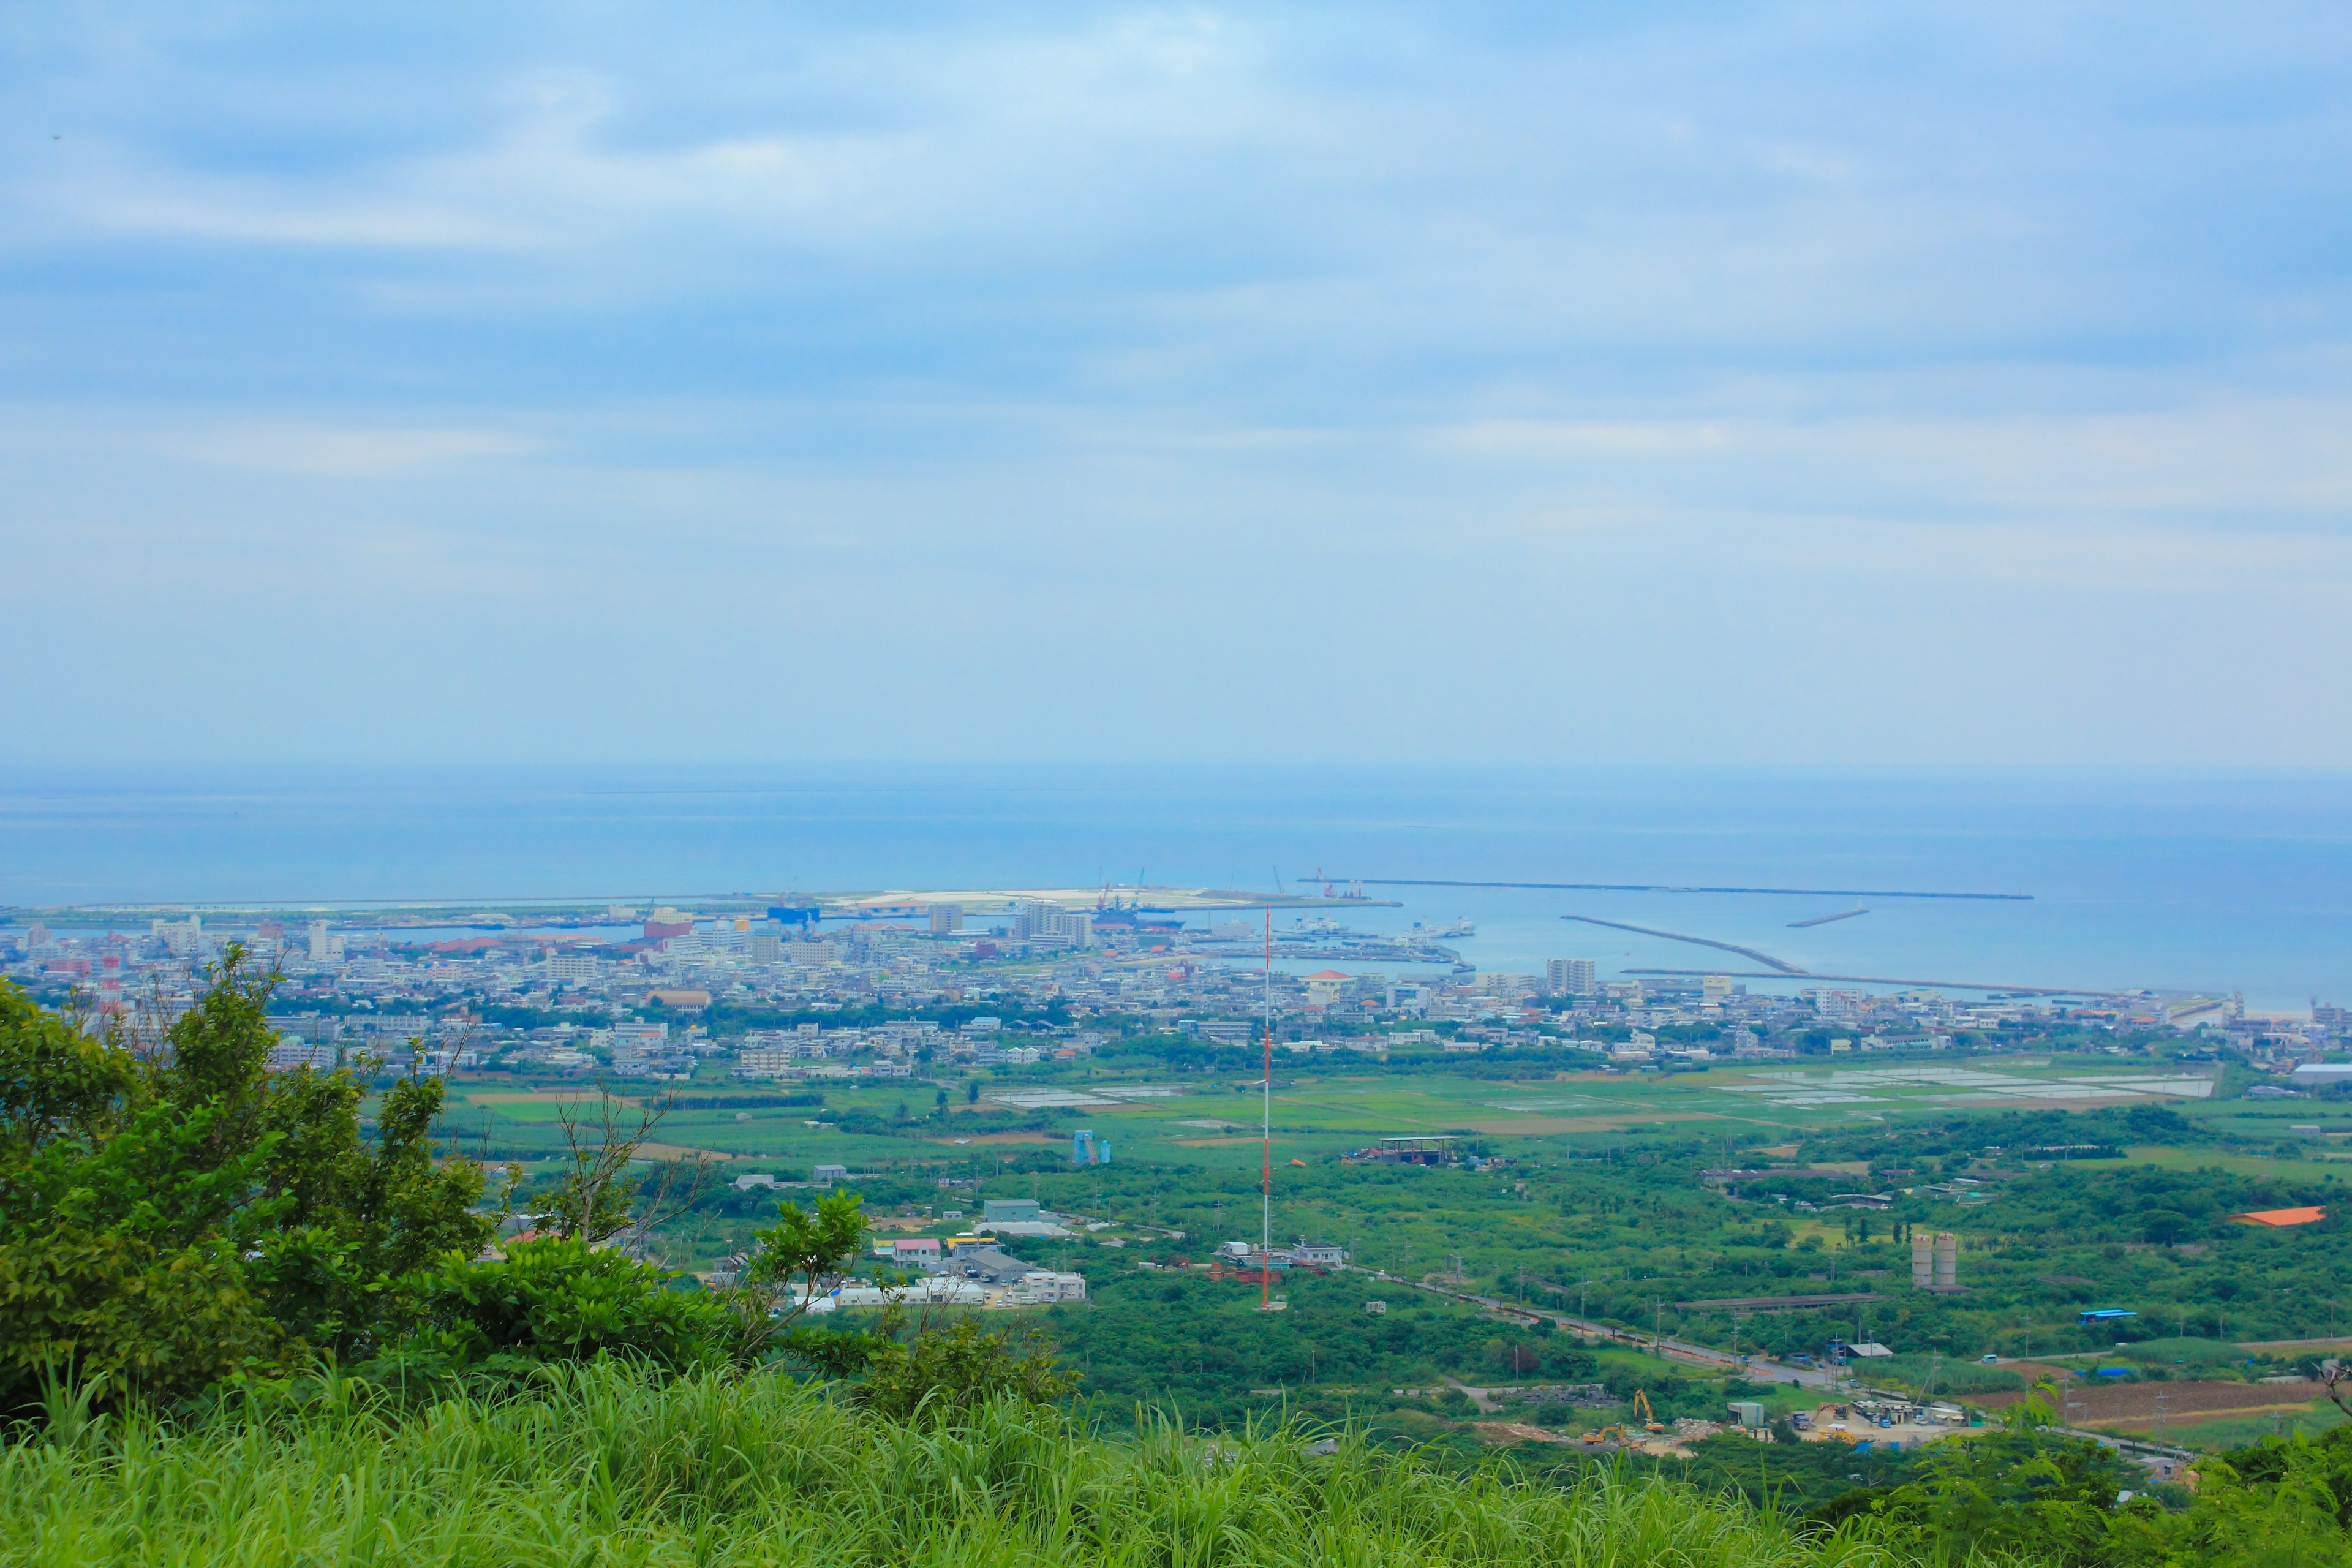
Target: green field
1593, 1198
1323, 1109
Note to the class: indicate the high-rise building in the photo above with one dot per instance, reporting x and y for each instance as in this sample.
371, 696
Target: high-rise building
1569, 977
946, 919
326, 947
181, 937
1836, 1006
1947, 1261
1923, 1259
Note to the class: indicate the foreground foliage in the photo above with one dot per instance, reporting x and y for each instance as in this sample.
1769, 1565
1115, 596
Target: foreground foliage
609, 1463
171, 1214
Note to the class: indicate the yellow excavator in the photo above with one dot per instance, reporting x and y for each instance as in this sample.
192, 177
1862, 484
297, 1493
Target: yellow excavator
1623, 1431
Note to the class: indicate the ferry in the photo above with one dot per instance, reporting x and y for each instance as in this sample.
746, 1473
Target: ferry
1462, 926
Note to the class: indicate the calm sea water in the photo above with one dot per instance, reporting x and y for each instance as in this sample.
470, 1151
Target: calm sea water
2222, 883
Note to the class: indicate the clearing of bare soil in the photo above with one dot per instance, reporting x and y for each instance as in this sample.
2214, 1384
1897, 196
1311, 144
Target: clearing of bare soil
685, 1152
2132, 1403
1508, 1432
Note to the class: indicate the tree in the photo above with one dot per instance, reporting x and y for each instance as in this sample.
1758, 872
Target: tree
172, 1212
558, 1298
949, 1373
794, 1264
602, 1194
2022, 1492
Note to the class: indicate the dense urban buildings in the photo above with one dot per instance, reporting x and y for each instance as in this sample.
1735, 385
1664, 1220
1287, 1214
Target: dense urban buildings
646, 993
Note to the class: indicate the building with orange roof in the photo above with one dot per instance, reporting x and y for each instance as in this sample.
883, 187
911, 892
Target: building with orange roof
1323, 988
2279, 1219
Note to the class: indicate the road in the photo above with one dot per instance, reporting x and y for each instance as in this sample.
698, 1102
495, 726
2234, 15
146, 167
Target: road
1755, 1369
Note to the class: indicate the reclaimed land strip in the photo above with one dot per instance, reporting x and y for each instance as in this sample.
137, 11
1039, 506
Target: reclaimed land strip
1668, 887
1884, 980
1763, 958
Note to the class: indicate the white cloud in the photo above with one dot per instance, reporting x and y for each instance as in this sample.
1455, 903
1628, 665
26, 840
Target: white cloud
1506, 381
291, 446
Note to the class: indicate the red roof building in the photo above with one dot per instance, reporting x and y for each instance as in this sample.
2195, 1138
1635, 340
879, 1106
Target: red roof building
2278, 1219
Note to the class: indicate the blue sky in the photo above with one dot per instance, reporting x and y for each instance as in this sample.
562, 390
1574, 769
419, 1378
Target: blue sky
1750, 385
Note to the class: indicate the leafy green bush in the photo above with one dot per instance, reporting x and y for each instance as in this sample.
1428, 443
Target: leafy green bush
953, 1371
563, 1299
172, 1213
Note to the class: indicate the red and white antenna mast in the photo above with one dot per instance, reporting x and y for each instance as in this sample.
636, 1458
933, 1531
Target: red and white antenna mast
1266, 1180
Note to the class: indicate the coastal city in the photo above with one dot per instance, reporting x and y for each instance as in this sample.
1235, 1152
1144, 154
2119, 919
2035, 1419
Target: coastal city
1489, 786
1008, 981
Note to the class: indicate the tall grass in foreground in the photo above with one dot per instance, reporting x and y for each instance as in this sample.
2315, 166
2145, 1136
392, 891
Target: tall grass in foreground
610, 1466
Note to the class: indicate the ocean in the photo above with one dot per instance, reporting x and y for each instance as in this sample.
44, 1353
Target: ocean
2211, 883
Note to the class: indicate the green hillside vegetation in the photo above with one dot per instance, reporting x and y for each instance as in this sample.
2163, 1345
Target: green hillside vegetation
178, 1218
1627, 1228
2057, 1210
243, 1322
608, 1464
611, 1461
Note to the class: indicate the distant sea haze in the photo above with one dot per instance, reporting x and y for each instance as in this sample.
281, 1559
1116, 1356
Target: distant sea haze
2216, 883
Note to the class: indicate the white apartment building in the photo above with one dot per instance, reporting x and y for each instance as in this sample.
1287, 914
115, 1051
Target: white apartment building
1569, 977
766, 1062
180, 938
569, 967
1041, 1287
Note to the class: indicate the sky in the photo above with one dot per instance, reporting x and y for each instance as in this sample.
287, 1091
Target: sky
1745, 384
